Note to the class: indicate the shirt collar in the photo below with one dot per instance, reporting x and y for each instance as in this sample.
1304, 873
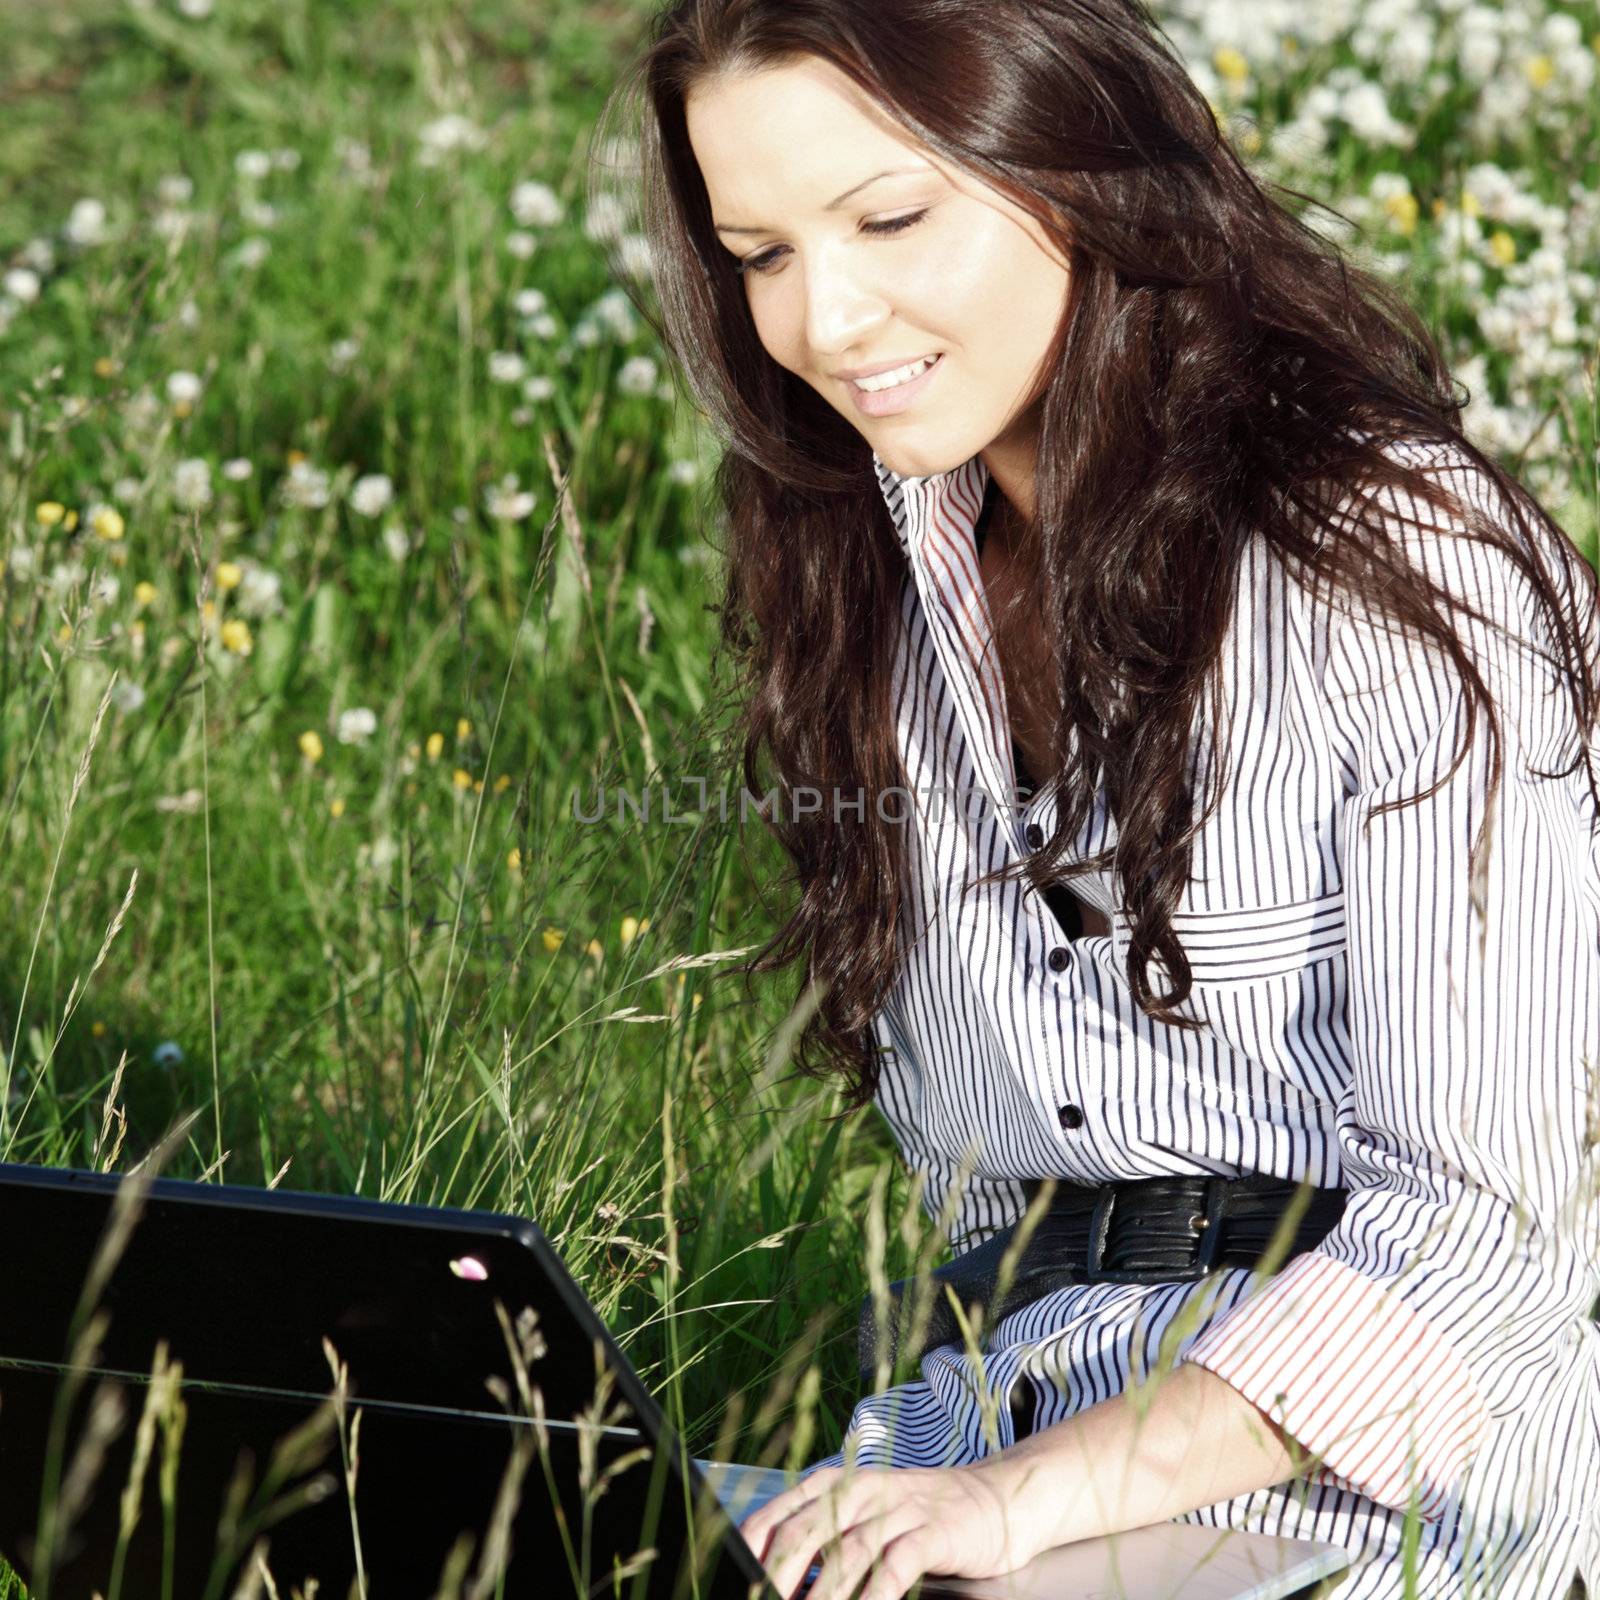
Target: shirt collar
950, 499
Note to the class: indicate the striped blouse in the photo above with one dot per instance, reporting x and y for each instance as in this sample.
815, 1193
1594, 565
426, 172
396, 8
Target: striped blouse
1363, 1026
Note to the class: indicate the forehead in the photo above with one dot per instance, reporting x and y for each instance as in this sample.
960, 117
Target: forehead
801, 132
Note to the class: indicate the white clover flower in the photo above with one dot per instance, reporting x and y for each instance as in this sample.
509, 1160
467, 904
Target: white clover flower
529, 302
191, 484
197, 10
251, 254
538, 387
356, 725
354, 156
683, 471
606, 216
585, 335
634, 255
252, 165
307, 486
127, 696
543, 326
172, 224
396, 542
39, 254
66, 576
260, 591
521, 245
184, 388
342, 354
371, 495
536, 205
86, 223
22, 284
175, 189
637, 375
103, 589
506, 366
258, 213
446, 134
24, 561
385, 852
126, 489
286, 159
614, 312
506, 502
237, 469
189, 315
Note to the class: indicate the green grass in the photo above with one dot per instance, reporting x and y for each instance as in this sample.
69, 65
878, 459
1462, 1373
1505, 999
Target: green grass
335, 961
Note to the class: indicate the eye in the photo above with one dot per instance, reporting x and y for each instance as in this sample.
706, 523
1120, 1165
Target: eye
763, 263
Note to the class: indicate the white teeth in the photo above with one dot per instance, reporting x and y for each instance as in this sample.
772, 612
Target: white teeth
888, 380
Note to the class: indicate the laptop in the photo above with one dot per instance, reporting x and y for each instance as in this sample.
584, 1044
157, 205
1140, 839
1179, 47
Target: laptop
501, 1429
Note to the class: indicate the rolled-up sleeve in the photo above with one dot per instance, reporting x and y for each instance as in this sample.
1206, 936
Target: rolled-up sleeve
1466, 1259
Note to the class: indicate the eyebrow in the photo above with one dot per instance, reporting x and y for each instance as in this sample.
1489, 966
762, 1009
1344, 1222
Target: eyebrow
832, 205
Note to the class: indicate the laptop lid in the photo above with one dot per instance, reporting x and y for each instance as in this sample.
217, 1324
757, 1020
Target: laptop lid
243, 1285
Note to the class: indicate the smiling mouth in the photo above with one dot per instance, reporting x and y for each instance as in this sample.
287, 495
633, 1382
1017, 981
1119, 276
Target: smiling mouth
900, 375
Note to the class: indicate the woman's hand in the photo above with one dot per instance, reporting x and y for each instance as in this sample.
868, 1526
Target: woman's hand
887, 1526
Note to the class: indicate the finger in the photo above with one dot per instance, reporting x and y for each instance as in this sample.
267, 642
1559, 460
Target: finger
819, 1530
756, 1529
901, 1563
859, 1553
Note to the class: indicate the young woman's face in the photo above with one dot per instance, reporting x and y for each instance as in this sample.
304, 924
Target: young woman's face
846, 269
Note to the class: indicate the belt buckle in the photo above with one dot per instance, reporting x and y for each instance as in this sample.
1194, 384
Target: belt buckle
1207, 1226
1217, 1192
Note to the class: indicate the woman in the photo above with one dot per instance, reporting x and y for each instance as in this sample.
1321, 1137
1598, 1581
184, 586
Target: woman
1276, 923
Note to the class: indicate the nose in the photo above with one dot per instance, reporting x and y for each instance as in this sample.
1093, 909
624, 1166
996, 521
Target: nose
841, 310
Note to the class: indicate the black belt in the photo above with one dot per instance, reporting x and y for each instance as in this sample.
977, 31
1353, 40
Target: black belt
1142, 1230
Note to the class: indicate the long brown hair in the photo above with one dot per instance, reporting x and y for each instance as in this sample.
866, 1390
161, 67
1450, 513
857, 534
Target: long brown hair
1220, 370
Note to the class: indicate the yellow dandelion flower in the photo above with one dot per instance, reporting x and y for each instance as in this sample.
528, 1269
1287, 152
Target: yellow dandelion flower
552, 938
69, 522
229, 575
182, 408
1502, 247
311, 745
64, 633
49, 512
514, 860
98, 1029
1403, 211
1231, 64
461, 778
105, 367
1471, 206
295, 457
1289, 45
595, 949
145, 593
435, 746
1440, 206
208, 612
1540, 70
108, 524
502, 783
336, 806
463, 728
236, 636
477, 785
631, 928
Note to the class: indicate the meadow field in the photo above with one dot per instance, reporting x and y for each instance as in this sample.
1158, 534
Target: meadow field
355, 527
